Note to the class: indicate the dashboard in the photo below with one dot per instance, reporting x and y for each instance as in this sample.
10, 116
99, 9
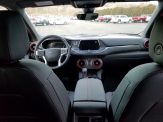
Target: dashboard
90, 49
106, 45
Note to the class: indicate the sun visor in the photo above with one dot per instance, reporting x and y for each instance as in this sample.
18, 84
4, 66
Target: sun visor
40, 3
88, 3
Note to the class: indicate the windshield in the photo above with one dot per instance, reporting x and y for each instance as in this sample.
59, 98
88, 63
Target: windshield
130, 18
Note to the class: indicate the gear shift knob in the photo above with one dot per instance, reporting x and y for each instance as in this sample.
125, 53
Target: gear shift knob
84, 72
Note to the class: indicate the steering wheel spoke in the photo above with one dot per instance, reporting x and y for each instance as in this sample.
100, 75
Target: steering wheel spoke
59, 61
64, 51
45, 61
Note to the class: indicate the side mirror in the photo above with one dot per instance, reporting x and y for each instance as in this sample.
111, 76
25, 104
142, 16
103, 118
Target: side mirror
87, 16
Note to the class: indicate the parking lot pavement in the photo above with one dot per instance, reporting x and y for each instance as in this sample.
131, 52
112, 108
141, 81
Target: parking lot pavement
92, 28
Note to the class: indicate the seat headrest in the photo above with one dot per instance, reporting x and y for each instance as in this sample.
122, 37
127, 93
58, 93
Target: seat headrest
13, 37
156, 42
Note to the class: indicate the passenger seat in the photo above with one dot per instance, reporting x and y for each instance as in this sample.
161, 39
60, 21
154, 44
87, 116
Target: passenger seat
139, 96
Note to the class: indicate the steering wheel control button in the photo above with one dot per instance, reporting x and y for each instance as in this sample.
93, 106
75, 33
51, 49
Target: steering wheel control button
158, 49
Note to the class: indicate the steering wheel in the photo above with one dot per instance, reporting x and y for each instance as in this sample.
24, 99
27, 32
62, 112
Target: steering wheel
52, 54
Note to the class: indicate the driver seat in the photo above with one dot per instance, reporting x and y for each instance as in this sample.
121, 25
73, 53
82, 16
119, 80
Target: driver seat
29, 90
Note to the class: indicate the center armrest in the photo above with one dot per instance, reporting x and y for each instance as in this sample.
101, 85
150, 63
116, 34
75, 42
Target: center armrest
89, 89
89, 97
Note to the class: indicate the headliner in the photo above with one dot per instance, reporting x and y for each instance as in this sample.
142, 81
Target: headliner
39, 3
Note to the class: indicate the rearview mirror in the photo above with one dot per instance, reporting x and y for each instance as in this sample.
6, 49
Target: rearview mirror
87, 16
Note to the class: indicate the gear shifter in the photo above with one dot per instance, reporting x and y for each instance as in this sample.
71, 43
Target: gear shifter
84, 72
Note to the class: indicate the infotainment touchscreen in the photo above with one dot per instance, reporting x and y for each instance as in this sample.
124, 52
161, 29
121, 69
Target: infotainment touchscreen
89, 45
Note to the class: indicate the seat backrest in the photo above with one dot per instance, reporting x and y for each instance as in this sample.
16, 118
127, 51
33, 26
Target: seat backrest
126, 88
146, 102
29, 90
140, 94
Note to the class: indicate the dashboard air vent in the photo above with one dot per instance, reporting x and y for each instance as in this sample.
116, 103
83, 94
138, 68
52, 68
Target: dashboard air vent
146, 43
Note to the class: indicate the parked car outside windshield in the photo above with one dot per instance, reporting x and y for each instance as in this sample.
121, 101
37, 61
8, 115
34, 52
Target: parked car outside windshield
114, 18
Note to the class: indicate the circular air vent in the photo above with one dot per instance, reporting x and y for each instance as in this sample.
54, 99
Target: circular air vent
146, 43
32, 46
81, 63
97, 63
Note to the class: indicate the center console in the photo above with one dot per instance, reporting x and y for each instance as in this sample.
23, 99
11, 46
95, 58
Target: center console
89, 104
